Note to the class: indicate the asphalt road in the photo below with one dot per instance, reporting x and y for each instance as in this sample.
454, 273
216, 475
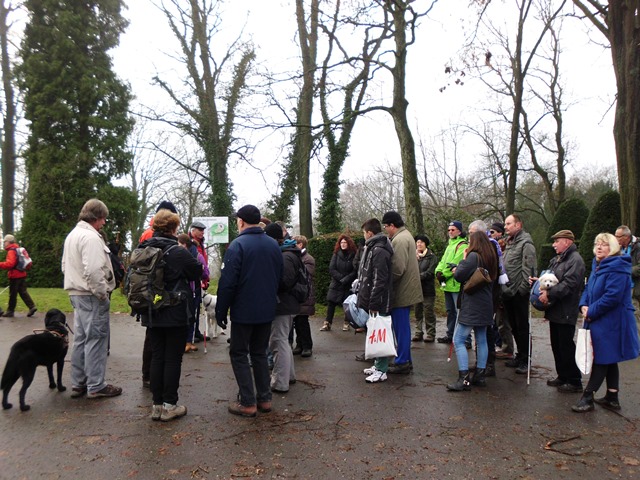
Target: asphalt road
330, 425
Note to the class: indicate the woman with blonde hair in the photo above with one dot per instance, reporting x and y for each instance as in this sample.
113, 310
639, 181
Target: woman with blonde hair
608, 313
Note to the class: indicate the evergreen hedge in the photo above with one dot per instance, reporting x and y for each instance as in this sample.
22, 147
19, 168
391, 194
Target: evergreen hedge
605, 216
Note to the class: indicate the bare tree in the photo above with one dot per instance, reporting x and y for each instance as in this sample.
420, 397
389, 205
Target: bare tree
617, 21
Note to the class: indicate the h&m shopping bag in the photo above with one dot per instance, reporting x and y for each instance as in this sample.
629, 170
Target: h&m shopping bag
380, 341
584, 350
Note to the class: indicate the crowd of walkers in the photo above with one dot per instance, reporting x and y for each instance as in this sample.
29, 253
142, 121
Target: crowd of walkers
486, 275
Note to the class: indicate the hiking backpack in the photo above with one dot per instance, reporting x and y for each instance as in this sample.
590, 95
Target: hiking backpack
144, 282
24, 260
302, 288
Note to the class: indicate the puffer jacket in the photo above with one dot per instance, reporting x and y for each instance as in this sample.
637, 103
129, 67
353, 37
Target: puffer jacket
180, 268
519, 260
407, 290
476, 309
453, 254
309, 307
427, 263
374, 275
291, 256
342, 274
614, 333
569, 268
11, 261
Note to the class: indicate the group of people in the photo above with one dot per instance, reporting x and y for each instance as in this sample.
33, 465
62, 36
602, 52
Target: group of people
394, 271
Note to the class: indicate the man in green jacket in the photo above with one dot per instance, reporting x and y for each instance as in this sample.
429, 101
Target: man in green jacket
452, 256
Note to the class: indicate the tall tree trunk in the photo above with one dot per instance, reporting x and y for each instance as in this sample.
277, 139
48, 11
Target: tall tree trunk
9, 126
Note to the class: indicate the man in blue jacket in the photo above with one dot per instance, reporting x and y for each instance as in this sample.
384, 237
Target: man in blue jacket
248, 289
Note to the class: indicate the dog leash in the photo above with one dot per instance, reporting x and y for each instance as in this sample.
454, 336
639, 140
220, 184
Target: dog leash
4, 290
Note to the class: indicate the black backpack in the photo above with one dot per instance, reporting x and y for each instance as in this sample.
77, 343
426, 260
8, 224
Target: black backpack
302, 288
144, 283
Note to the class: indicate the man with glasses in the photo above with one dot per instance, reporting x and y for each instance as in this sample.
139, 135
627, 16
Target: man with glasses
629, 245
452, 256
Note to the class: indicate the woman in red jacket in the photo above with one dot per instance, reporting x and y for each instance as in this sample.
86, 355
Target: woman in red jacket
17, 279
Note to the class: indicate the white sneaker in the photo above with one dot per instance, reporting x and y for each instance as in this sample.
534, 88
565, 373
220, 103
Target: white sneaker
169, 412
156, 412
370, 371
376, 377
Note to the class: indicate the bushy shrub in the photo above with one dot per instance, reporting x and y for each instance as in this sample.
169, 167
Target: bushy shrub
604, 217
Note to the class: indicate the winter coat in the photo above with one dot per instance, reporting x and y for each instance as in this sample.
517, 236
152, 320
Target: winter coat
86, 263
610, 318
564, 297
519, 260
427, 263
374, 275
291, 255
453, 254
180, 268
309, 307
249, 279
476, 309
342, 276
11, 261
407, 290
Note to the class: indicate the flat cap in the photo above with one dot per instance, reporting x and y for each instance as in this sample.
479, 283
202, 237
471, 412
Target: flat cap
250, 214
564, 234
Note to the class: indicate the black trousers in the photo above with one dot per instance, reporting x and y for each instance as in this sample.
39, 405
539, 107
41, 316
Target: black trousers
564, 352
516, 310
146, 355
19, 286
167, 346
251, 340
598, 374
303, 332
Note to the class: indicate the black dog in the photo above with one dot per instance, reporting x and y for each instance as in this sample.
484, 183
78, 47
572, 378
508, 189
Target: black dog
44, 348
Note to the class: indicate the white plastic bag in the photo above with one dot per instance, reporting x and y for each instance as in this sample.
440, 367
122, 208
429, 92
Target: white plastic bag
584, 351
380, 341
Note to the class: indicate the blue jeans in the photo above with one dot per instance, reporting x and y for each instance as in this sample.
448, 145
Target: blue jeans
90, 342
250, 340
402, 329
450, 302
460, 335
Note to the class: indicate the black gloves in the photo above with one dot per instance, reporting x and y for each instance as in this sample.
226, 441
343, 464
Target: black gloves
440, 277
222, 322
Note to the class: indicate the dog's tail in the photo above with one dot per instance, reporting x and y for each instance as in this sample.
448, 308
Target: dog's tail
11, 372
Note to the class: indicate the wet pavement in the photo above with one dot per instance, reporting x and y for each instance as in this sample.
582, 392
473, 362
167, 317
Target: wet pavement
330, 425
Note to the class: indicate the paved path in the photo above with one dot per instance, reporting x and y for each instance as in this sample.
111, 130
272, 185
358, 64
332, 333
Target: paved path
330, 425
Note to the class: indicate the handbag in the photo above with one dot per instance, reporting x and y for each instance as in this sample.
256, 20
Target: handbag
584, 350
478, 279
379, 340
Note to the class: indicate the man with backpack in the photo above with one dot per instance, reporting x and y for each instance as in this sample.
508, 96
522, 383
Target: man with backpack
17, 278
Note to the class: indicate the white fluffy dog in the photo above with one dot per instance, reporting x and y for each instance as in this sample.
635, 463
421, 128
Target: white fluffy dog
547, 281
209, 307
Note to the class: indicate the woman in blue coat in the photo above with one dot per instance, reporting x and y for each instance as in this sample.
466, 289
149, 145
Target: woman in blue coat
608, 312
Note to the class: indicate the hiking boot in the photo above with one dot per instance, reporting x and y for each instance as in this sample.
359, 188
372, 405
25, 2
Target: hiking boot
297, 350
445, 339
462, 383
326, 327
376, 377
345, 327
513, 363
417, 337
522, 369
404, 368
108, 391
609, 401
306, 353
169, 412
585, 404
504, 354
32, 310
429, 339
556, 382
77, 392
239, 409
370, 370
264, 407
570, 388
156, 412
8, 313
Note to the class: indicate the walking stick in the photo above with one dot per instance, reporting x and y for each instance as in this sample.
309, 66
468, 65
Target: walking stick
530, 337
4, 290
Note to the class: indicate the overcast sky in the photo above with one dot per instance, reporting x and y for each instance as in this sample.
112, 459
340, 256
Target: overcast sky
586, 70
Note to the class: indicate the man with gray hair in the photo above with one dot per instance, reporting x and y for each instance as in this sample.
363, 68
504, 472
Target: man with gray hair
88, 277
629, 245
